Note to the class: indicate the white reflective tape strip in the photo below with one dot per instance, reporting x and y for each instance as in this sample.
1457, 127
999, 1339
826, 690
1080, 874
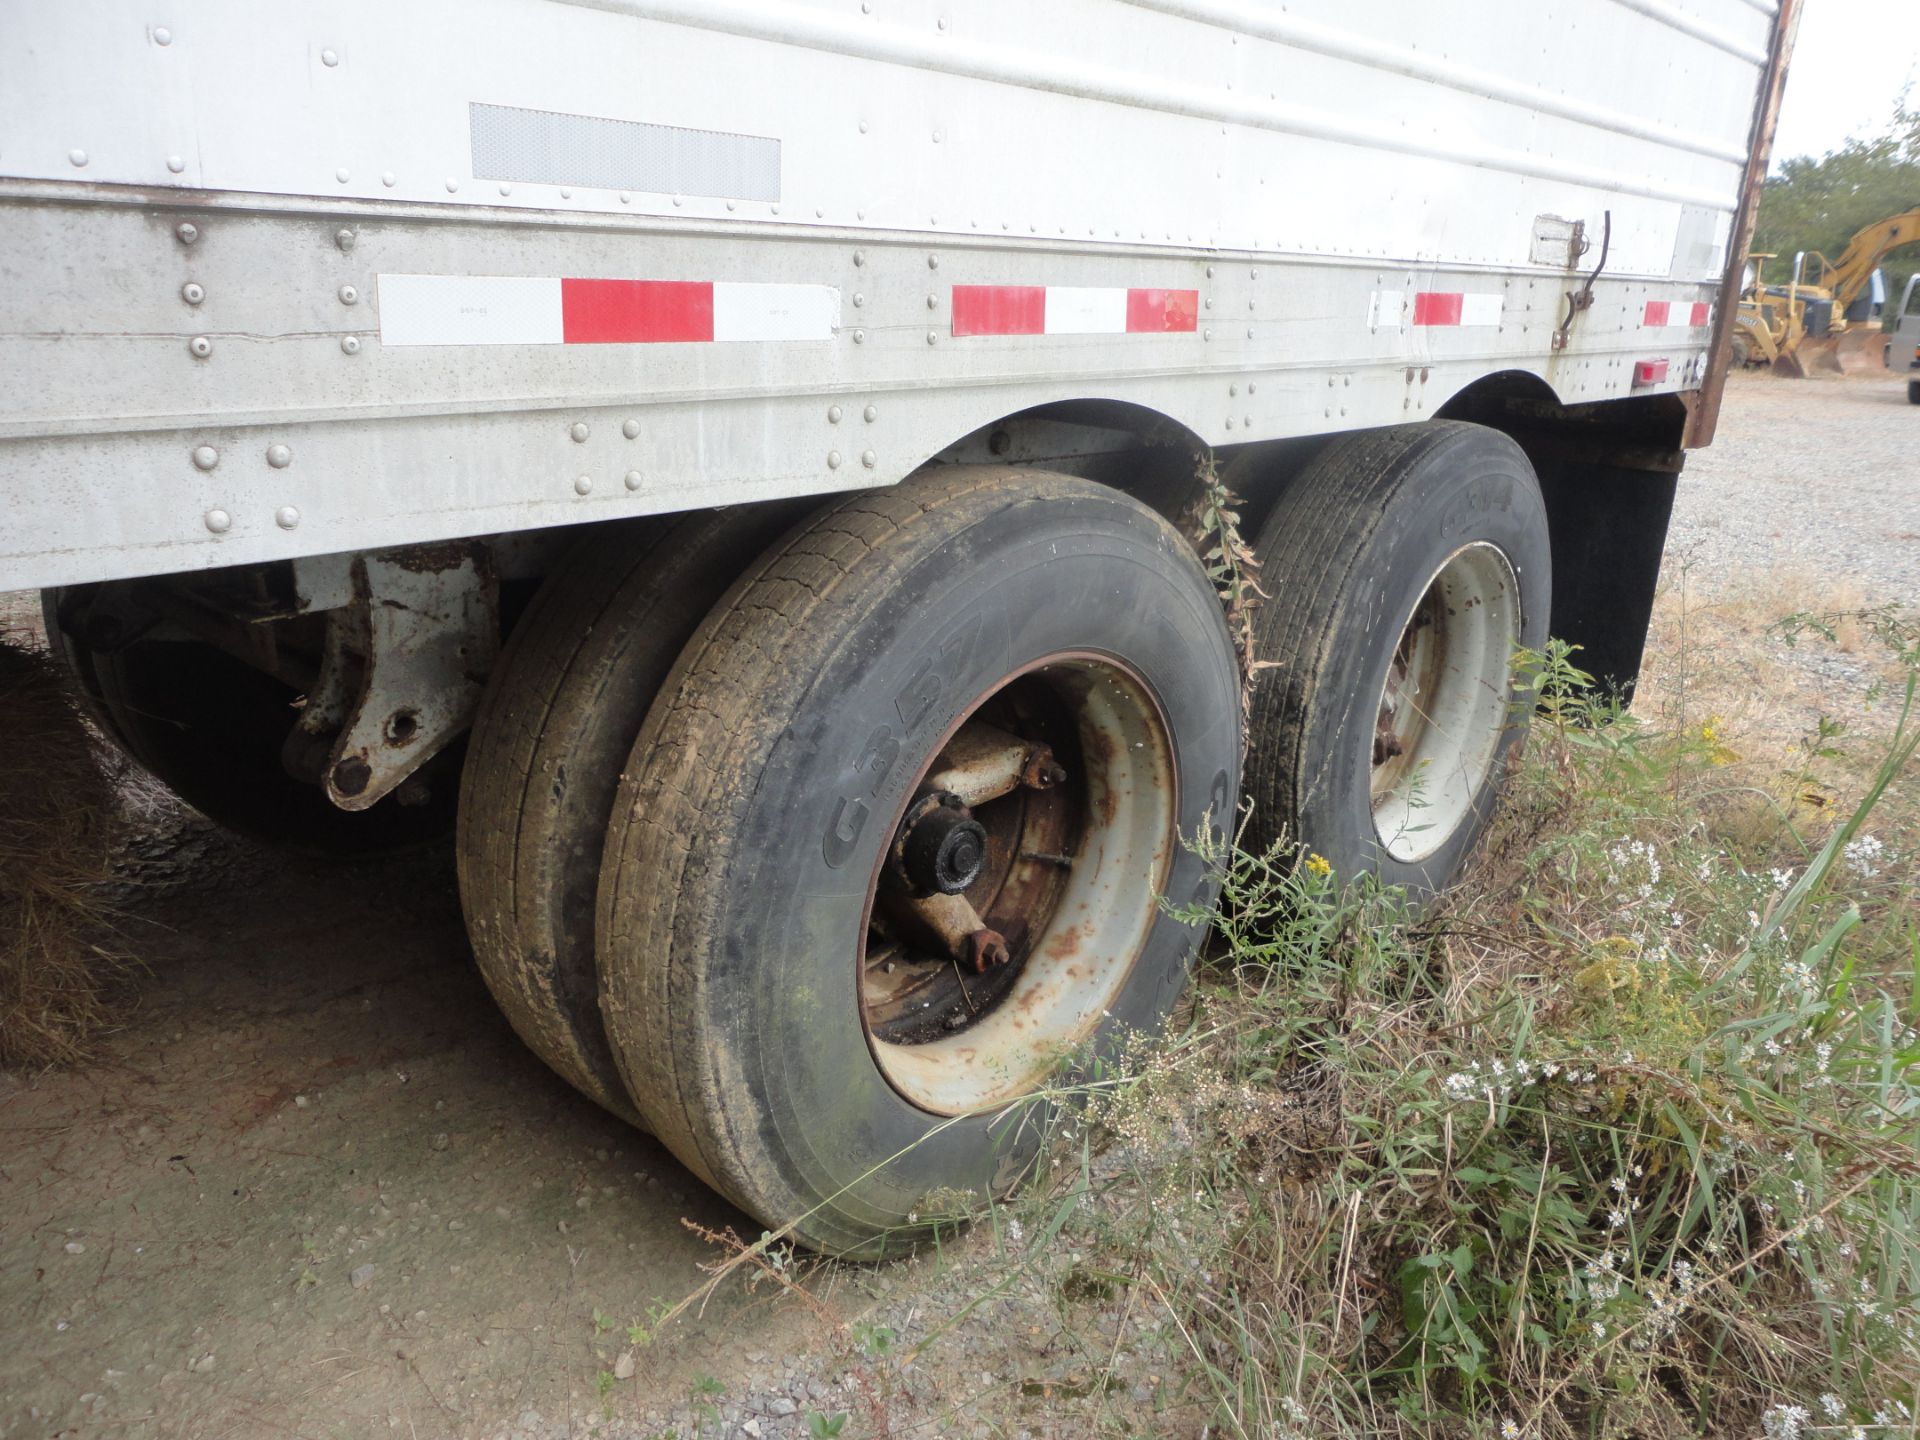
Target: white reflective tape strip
1084, 310
1480, 309
1386, 308
469, 310
775, 312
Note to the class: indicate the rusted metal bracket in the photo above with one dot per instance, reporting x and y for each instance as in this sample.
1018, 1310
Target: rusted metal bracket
982, 763
401, 671
949, 925
1705, 417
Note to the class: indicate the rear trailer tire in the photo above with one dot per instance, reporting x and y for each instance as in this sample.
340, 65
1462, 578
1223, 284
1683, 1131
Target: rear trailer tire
784, 1020
211, 728
1913, 392
565, 700
1403, 567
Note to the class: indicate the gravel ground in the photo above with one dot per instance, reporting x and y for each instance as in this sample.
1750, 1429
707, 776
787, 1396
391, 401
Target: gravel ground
1819, 476
315, 1187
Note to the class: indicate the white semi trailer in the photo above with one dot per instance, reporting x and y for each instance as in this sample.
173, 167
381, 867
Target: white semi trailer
737, 463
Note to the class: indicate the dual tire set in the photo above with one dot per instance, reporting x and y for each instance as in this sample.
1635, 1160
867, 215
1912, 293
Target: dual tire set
824, 842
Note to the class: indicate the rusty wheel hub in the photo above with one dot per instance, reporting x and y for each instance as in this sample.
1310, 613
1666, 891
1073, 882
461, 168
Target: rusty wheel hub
1036, 833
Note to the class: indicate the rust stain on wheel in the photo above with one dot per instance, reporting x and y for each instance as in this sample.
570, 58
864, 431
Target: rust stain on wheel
971, 997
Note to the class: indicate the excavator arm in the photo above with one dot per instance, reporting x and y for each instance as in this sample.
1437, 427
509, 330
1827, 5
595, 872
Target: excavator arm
1846, 277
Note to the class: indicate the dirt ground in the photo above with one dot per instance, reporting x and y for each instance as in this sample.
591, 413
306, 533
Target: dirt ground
313, 1186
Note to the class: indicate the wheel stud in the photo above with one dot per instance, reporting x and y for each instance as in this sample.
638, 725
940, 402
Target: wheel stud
987, 948
1042, 771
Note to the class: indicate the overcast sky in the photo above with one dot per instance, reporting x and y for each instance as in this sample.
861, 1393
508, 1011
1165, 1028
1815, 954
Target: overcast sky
1851, 59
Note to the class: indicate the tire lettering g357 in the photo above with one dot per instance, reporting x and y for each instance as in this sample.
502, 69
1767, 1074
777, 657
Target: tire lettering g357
850, 814
917, 699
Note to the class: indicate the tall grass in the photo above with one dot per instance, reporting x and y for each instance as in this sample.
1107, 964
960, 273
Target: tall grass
1620, 1140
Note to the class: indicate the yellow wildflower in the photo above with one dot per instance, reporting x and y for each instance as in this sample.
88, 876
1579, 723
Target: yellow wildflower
1318, 866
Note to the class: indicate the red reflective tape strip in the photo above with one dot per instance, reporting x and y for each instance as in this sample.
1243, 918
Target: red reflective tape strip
1690, 313
1432, 307
999, 309
1162, 312
608, 312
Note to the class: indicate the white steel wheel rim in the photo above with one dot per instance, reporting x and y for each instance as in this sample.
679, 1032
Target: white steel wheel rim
1445, 704
1082, 955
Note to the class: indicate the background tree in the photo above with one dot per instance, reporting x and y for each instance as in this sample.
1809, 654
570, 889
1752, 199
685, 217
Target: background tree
1818, 204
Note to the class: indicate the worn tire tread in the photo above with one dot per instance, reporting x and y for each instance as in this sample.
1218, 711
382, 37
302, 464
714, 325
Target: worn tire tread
1321, 528
618, 608
748, 663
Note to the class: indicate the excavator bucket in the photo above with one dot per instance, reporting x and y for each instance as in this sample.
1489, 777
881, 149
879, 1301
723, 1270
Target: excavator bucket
1811, 357
1790, 365
1862, 351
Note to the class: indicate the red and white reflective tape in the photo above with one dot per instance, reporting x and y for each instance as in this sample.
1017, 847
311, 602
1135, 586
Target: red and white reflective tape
1433, 308
1072, 310
1685, 314
547, 310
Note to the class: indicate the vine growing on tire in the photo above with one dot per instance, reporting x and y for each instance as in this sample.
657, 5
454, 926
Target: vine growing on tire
1234, 569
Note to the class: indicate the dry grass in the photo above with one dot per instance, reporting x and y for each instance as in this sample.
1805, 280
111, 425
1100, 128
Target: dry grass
57, 815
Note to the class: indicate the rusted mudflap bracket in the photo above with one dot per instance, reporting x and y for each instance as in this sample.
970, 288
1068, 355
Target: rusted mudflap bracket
401, 671
1704, 415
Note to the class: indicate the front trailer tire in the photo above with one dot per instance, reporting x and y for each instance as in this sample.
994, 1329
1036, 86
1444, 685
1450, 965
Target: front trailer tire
761, 800
1403, 567
562, 706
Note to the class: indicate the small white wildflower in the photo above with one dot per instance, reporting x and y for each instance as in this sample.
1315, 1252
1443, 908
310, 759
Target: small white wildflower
1781, 878
1509, 1430
1616, 1218
1785, 1422
1016, 1233
1618, 1184
1831, 1404
1599, 1330
1863, 854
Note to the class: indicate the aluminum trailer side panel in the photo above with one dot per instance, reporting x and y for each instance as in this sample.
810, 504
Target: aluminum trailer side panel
297, 281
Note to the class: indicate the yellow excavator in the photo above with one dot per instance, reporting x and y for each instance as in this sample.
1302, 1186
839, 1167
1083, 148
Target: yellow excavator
1804, 326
